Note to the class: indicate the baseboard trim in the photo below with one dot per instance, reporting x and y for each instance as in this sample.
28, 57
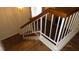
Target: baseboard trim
10, 36
1, 45
48, 43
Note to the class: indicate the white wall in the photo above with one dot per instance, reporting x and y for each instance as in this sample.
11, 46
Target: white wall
11, 19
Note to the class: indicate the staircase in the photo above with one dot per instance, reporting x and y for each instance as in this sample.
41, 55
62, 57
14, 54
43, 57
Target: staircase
54, 27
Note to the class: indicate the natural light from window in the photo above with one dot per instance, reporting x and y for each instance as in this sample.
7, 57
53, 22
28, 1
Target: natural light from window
35, 11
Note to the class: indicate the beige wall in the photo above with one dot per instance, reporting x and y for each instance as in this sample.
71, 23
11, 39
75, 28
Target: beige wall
11, 19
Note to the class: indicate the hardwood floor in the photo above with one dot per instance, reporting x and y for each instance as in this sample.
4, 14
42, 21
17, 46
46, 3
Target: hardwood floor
16, 43
30, 45
72, 45
12, 41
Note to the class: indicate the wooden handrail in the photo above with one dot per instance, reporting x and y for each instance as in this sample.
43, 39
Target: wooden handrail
59, 11
67, 10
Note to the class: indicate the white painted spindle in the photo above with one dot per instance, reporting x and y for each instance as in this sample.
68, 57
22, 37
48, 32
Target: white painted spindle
77, 18
69, 24
74, 18
75, 22
37, 25
31, 27
57, 28
66, 31
34, 26
60, 30
64, 27
41, 24
72, 21
45, 23
51, 25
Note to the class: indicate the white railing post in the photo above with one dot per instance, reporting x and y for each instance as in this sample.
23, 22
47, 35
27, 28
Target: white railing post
29, 28
34, 26
69, 27
72, 20
74, 24
60, 30
66, 31
37, 25
45, 24
26, 29
77, 18
64, 27
57, 28
41, 24
51, 25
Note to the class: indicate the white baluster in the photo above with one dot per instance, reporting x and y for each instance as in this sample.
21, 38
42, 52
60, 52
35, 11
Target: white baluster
66, 31
57, 28
45, 23
28, 28
72, 19
34, 26
62, 23
78, 18
74, 24
64, 27
41, 24
69, 24
37, 25
31, 27
51, 25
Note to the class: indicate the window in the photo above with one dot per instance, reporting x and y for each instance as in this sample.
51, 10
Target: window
35, 11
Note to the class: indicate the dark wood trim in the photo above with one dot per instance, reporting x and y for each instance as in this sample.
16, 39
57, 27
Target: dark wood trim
67, 10
17, 34
33, 34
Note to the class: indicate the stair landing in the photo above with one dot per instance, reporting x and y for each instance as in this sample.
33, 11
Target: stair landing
30, 45
16, 43
19, 44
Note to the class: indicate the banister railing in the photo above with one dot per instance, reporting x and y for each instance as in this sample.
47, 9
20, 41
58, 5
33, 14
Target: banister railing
63, 12
55, 24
